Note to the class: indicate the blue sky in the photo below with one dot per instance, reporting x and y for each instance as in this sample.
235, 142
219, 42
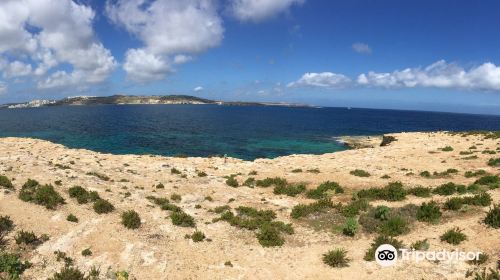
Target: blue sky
423, 55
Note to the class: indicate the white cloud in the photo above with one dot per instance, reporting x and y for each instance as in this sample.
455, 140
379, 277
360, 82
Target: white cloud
361, 48
168, 29
3, 88
259, 10
439, 75
49, 34
323, 80
16, 69
142, 66
199, 88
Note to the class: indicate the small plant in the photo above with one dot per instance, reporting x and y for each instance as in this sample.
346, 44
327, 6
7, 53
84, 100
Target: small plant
228, 263
252, 173
386, 177
420, 191
160, 186
27, 238
453, 236
99, 175
360, 173
446, 189
297, 170
470, 174
290, 190
381, 239
131, 219
198, 236
44, 195
12, 266
87, 252
175, 171
492, 219
102, 206
425, 174
429, 212
232, 182
249, 182
314, 170
6, 183
72, 218
176, 197
201, 174
391, 192
387, 139
303, 210
495, 162
421, 245
269, 236
350, 227
454, 204
355, 207
267, 182
68, 273
324, 189
481, 259
6, 224
382, 212
447, 149
336, 258
394, 226
492, 181
182, 219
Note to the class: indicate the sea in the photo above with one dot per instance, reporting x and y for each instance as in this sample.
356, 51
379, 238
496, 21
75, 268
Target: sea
245, 132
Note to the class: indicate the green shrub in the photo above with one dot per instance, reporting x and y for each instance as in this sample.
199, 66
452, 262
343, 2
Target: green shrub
421, 245
323, 189
249, 182
336, 258
182, 219
6, 224
382, 212
447, 149
72, 218
394, 226
393, 191
86, 252
232, 182
198, 236
381, 239
446, 189
303, 210
81, 194
160, 186
12, 266
482, 199
27, 238
454, 203
221, 209
355, 207
470, 174
425, 174
429, 212
420, 191
102, 206
267, 182
174, 170
492, 181
360, 173
453, 236
176, 197
6, 183
350, 227
69, 273
131, 219
494, 162
201, 174
289, 190
493, 217
44, 195
269, 236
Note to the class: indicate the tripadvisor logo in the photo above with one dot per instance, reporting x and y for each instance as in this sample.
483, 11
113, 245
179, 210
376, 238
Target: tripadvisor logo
386, 255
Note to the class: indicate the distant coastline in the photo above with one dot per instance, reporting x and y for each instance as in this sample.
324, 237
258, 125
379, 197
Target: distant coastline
143, 99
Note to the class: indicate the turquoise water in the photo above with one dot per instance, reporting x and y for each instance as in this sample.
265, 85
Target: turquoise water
245, 132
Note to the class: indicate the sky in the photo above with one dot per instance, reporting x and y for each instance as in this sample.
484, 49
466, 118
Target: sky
437, 55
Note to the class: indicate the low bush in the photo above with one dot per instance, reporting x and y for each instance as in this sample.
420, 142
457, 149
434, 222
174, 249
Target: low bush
267, 182
420, 191
160, 186
447, 149
336, 258
454, 203
421, 245
393, 191
429, 212
481, 259
470, 174
453, 236
198, 236
350, 227
394, 226
182, 219
289, 190
492, 181
446, 189
355, 207
12, 266
324, 189
492, 218
6, 183
82, 195
360, 173
249, 182
131, 219
201, 174
495, 162
6, 224
69, 273
102, 206
232, 182
72, 218
27, 238
99, 175
303, 210
297, 170
44, 195
382, 212
387, 139
176, 197
269, 236
86, 252
174, 170
425, 174
379, 240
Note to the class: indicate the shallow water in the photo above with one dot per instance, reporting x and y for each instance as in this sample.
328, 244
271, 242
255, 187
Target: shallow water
245, 132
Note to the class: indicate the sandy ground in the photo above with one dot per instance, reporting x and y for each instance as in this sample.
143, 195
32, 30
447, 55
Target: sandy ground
159, 250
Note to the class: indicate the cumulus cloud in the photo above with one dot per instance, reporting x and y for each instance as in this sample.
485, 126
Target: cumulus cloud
259, 10
199, 88
361, 48
170, 30
323, 80
142, 66
439, 75
45, 35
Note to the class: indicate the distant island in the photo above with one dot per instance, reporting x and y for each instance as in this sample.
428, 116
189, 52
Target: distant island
133, 99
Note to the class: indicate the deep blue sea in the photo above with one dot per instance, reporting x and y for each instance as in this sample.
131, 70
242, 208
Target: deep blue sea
205, 130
